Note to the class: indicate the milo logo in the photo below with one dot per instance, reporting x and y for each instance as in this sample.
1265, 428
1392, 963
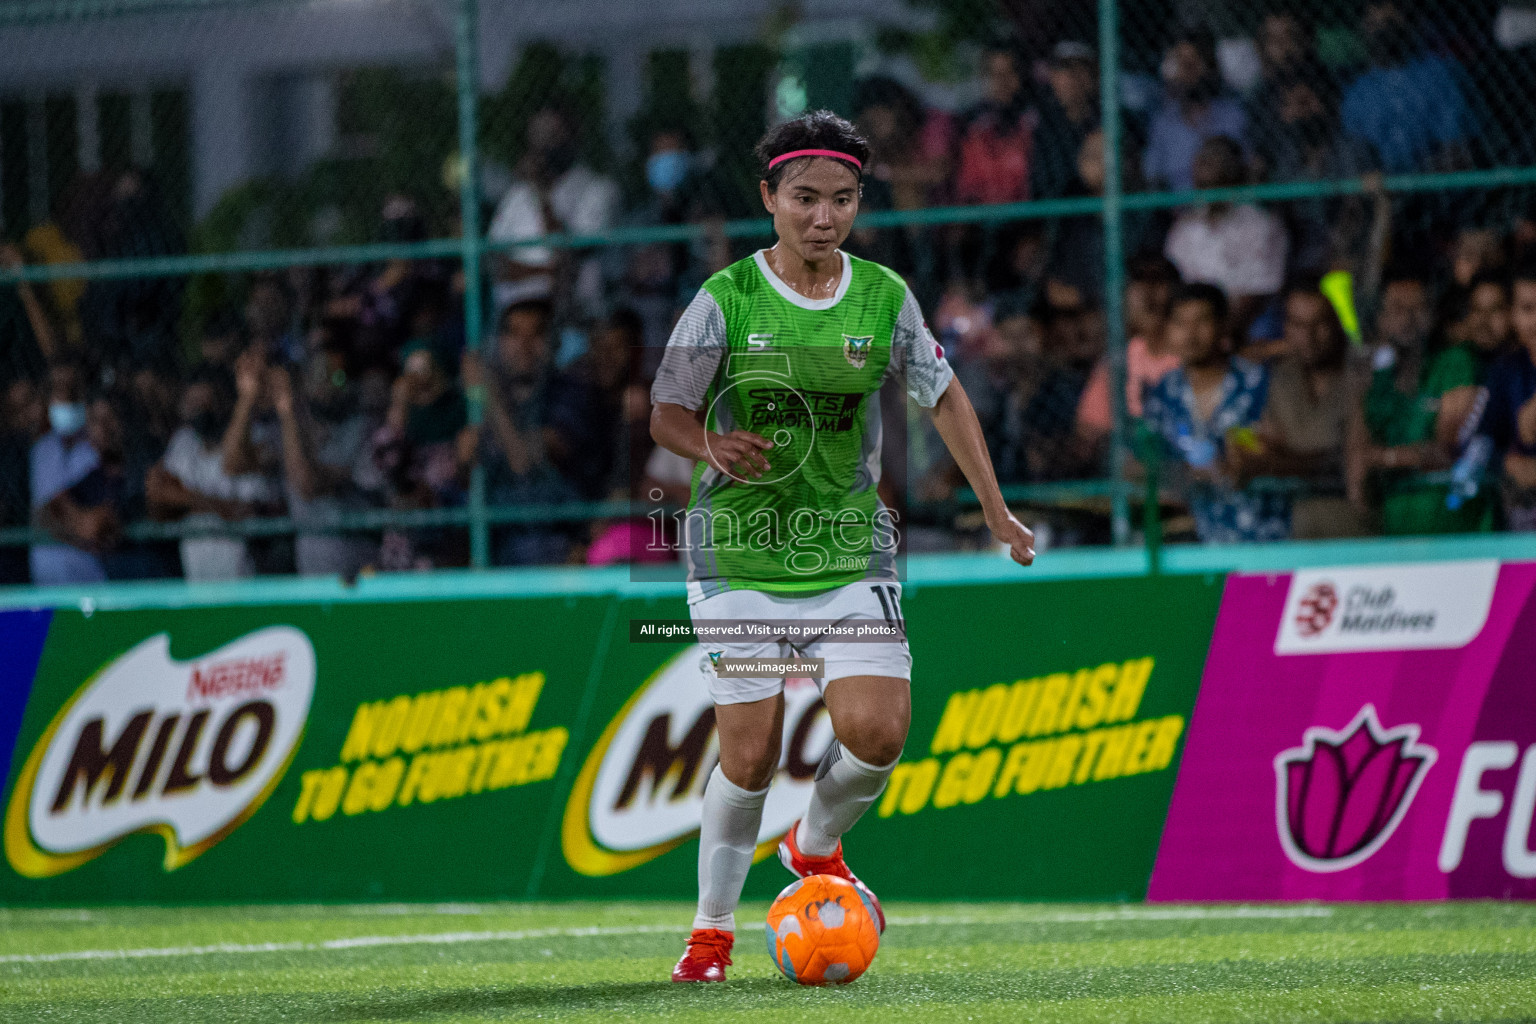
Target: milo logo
185, 749
641, 790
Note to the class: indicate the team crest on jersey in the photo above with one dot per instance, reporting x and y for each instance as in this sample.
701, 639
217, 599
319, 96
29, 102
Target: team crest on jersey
856, 350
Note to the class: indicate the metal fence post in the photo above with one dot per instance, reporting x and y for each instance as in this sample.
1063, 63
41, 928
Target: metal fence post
466, 43
1114, 263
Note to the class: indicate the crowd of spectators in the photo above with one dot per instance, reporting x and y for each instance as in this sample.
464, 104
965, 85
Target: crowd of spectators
329, 391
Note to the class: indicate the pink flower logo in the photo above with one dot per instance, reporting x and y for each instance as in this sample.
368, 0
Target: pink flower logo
1340, 795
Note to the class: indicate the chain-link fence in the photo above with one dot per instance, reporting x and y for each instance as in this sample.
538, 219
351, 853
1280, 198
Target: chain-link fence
334, 286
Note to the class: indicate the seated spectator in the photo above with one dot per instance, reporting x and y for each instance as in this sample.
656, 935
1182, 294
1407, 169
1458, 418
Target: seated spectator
1148, 358
963, 321
1025, 391
1410, 420
193, 484
996, 135
1068, 115
1312, 398
1304, 144
220, 341
110, 496
62, 458
909, 145
22, 422
1476, 251
1193, 111
372, 307
1483, 324
652, 275
538, 442
132, 321
1238, 247
1509, 418
552, 191
115, 493
908, 165
324, 445
1202, 410
1077, 254
1408, 105
422, 458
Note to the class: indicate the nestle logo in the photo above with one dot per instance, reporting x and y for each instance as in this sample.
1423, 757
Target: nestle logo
236, 676
1315, 610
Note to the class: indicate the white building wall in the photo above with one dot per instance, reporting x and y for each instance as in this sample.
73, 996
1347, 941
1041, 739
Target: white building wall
225, 56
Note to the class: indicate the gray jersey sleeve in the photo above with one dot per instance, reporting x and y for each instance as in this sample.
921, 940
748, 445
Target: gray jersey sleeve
693, 354
918, 357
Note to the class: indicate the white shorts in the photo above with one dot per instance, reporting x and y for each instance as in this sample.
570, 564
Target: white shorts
849, 604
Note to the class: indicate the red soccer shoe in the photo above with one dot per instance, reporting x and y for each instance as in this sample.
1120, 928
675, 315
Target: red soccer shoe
803, 866
707, 956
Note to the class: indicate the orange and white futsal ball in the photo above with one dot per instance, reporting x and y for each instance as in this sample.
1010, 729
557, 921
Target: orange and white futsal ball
821, 930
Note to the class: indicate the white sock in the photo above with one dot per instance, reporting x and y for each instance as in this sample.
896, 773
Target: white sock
727, 839
845, 787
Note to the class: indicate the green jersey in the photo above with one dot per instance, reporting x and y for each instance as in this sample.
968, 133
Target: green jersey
805, 374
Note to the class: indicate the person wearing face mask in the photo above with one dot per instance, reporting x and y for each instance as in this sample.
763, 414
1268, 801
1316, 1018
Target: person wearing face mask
62, 458
552, 191
652, 274
1193, 110
190, 483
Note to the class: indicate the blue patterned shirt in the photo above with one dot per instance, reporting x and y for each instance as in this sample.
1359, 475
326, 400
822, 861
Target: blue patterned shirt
1223, 514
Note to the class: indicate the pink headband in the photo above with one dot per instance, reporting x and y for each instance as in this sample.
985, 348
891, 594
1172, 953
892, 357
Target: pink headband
834, 154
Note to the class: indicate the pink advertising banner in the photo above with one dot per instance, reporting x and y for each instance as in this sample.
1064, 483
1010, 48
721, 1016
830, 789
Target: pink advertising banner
1362, 733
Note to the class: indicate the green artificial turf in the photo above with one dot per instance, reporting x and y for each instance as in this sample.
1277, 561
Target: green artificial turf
609, 962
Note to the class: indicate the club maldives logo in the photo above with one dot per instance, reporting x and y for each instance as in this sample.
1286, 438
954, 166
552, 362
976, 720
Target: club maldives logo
185, 749
640, 793
1317, 607
1386, 608
1340, 795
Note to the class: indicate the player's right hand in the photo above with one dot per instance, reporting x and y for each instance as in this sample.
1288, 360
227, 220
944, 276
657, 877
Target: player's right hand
1019, 538
737, 454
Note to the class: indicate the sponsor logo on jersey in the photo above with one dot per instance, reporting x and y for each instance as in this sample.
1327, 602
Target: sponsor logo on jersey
640, 793
1386, 608
856, 350
772, 405
185, 749
1340, 795
759, 341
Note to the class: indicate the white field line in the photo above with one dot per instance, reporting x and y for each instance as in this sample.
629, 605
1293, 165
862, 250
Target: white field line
455, 938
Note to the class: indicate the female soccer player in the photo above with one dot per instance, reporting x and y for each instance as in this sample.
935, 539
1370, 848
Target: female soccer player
770, 382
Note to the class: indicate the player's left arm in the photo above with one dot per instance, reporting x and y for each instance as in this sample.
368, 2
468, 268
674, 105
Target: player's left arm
932, 384
957, 424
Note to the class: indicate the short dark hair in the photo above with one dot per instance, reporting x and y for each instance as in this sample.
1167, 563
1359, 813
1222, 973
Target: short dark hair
543, 307
1199, 291
1152, 268
1202, 39
819, 129
1304, 284
1523, 272
627, 320
1483, 278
